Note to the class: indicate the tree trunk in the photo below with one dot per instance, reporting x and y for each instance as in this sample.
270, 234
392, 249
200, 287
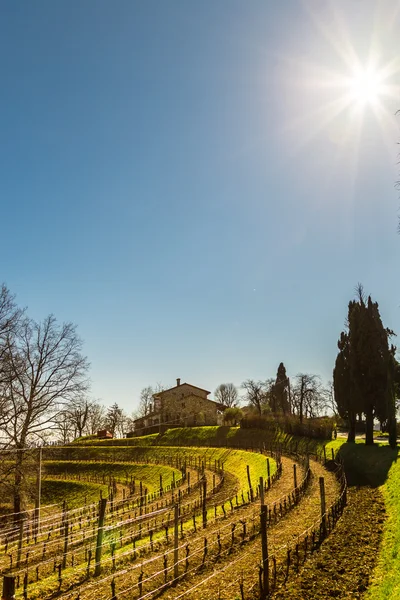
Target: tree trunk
17, 492
369, 426
351, 436
392, 427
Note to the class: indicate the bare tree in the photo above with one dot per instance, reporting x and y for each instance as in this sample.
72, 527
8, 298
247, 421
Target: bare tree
10, 317
115, 420
307, 396
255, 394
328, 403
96, 418
79, 414
64, 428
227, 394
45, 370
145, 402
74, 420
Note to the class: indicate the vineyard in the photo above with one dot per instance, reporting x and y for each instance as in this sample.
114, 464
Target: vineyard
144, 522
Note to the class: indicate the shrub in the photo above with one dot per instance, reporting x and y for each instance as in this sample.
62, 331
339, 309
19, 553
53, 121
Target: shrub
320, 428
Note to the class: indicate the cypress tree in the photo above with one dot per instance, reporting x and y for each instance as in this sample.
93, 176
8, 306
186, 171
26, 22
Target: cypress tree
392, 394
343, 386
280, 391
364, 370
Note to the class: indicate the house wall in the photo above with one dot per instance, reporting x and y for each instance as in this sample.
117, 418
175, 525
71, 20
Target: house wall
179, 392
190, 409
182, 405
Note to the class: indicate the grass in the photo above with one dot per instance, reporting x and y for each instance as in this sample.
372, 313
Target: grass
80, 457
216, 436
75, 493
148, 474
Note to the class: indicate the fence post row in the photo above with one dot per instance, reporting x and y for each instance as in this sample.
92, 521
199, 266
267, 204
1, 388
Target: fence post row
10, 581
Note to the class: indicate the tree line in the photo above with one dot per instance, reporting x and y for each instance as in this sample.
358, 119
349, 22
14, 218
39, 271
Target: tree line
305, 397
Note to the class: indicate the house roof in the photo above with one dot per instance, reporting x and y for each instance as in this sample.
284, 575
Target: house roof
180, 385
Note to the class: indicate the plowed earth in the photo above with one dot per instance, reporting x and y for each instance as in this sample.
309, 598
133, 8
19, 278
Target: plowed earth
222, 580
344, 563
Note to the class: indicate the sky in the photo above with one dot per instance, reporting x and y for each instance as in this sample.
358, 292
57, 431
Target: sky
199, 186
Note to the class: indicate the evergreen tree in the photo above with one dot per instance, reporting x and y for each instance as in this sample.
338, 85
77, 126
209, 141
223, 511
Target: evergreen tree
392, 395
362, 374
343, 386
280, 391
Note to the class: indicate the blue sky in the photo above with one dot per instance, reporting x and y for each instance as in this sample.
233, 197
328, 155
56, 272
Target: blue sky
190, 184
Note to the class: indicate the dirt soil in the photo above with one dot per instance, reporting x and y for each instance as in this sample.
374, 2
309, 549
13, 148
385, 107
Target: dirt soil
221, 580
344, 563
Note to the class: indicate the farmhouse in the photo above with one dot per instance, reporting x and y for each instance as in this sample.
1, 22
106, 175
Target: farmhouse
183, 405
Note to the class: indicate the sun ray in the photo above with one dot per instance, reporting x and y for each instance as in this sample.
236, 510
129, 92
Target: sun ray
325, 95
316, 120
335, 33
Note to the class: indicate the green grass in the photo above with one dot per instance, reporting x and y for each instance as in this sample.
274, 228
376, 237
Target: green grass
148, 474
216, 436
93, 457
55, 491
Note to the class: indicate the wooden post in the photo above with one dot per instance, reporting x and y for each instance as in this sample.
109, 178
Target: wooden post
324, 455
8, 587
161, 485
295, 475
261, 486
264, 542
176, 542
38, 495
99, 542
249, 480
66, 528
204, 503
268, 468
20, 539
323, 506
333, 454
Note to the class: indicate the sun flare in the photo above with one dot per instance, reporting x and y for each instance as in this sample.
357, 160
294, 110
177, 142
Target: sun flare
331, 89
366, 87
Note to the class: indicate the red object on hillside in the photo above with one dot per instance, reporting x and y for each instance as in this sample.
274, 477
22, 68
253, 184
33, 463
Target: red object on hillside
104, 434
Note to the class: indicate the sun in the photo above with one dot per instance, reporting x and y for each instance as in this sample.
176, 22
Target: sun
366, 87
